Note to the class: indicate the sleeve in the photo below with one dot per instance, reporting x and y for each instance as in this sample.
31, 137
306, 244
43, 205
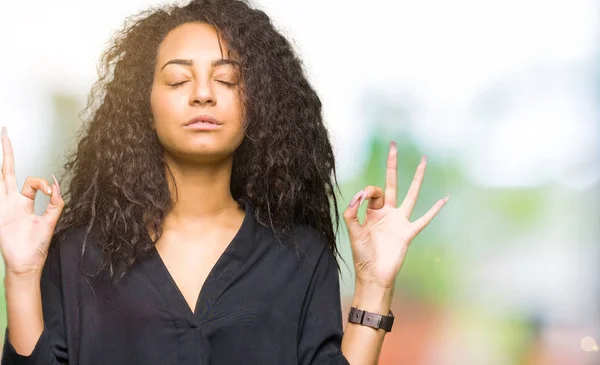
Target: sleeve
51, 347
320, 340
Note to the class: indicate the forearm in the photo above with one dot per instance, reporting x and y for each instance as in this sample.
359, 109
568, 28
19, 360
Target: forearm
24, 311
361, 345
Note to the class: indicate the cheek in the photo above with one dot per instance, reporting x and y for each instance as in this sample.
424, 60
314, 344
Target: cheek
237, 115
155, 106
163, 107
235, 108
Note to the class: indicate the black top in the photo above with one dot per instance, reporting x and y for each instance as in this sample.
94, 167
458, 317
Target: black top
262, 303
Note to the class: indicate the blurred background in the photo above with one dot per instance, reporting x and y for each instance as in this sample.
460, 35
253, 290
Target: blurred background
503, 96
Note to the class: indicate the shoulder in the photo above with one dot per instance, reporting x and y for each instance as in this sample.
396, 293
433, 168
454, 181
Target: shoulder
311, 243
71, 239
74, 244
301, 243
308, 236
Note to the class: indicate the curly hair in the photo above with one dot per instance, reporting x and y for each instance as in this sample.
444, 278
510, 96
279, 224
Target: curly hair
116, 179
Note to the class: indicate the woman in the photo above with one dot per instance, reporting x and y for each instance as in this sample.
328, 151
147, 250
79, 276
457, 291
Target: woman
198, 223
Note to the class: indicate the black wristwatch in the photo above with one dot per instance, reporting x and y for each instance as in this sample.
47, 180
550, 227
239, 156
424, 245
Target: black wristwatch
374, 320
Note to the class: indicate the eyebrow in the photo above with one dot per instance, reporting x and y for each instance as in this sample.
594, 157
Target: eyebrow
214, 63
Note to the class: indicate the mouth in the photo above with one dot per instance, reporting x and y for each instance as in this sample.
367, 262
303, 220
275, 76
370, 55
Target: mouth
207, 119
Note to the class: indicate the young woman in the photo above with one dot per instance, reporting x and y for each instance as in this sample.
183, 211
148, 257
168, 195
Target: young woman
198, 226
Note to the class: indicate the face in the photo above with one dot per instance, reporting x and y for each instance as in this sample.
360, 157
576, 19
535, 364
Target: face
193, 78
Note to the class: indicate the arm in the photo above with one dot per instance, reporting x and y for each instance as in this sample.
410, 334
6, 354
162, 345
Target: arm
24, 310
362, 344
36, 332
31, 265
379, 246
320, 332
320, 340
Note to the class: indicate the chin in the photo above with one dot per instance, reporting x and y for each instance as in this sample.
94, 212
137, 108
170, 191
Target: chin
201, 153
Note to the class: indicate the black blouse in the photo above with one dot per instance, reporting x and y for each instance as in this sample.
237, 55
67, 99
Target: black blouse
263, 302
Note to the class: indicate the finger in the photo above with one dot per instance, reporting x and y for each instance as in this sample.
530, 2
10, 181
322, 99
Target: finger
391, 176
30, 188
422, 222
55, 206
56, 182
409, 202
375, 196
33, 184
8, 163
351, 216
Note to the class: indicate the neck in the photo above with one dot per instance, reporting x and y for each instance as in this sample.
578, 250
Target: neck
201, 192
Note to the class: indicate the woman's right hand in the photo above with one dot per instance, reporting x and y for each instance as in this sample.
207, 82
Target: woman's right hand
25, 236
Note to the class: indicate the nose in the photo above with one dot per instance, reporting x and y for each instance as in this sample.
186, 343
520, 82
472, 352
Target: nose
202, 94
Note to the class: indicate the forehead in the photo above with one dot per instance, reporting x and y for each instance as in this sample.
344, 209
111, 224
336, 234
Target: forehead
193, 41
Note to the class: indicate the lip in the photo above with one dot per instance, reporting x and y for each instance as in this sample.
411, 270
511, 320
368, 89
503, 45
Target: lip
203, 122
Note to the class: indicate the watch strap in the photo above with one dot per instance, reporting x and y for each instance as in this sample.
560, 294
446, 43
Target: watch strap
370, 319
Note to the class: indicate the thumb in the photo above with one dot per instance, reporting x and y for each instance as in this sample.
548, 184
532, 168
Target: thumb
351, 216
55, 207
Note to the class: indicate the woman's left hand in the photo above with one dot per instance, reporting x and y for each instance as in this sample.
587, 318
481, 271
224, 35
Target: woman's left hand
380, 243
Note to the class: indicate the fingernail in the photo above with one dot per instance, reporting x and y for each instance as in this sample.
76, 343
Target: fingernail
4, 132
355, 198
49, 190
424, 159
56, 182
362, 198
393, 145
447, 198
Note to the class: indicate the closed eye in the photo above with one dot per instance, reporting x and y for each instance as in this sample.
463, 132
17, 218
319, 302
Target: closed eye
177, 84
229, 84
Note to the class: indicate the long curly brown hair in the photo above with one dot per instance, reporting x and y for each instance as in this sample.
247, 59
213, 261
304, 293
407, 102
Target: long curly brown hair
116, 179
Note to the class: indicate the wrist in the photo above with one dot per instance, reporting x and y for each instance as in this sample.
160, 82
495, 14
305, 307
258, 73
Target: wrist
22, 279
372, 297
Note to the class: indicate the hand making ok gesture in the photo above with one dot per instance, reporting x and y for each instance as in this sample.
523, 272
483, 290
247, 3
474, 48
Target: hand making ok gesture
25, 236
380, 243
